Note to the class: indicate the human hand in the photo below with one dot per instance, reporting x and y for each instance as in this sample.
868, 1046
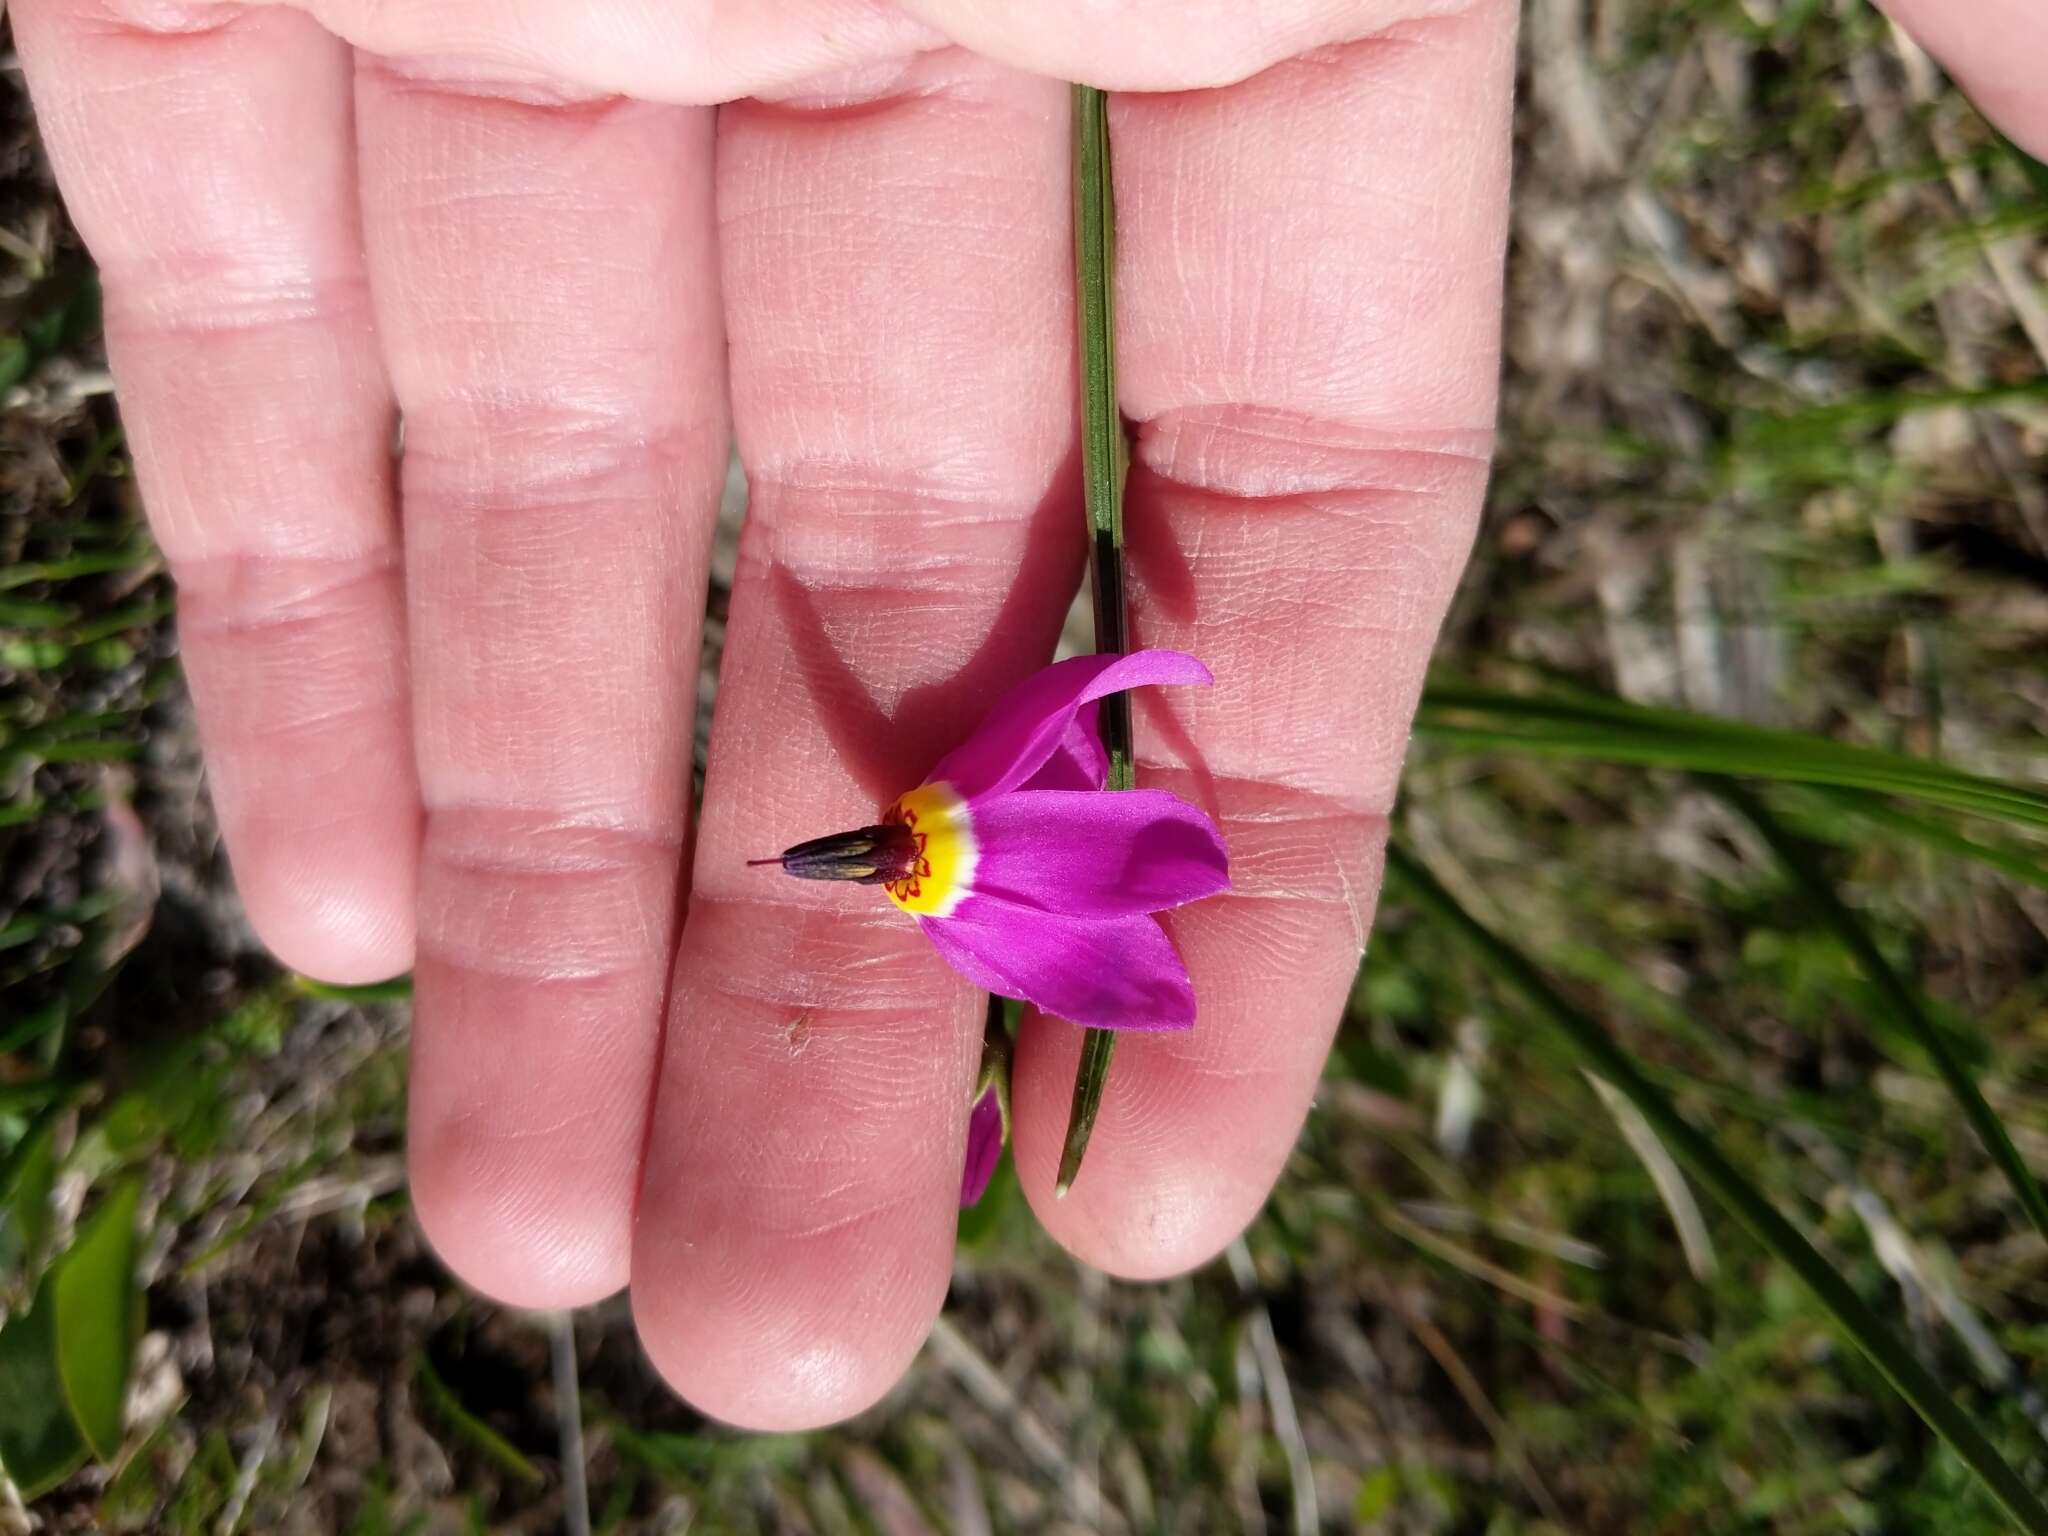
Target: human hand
464, 746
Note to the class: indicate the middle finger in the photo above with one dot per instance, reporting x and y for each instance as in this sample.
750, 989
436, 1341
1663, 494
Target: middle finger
898, 275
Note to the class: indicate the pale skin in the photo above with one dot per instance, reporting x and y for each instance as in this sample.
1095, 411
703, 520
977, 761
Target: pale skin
446, 701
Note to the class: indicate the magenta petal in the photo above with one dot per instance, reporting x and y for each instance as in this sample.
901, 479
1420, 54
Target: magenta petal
984, 1146
1028, 723
1088, 853
1108, 973
1080, 761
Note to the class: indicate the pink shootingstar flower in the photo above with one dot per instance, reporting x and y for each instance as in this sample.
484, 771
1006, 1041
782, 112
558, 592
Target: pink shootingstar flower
1029, 880
1033, 883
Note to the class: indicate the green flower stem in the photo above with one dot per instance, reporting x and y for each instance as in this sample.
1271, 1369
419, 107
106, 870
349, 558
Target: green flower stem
1742, 1199
1105, 457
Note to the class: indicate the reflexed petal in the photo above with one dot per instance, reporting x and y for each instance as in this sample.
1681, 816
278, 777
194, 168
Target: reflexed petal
1092, 853
984, 1146
1028, 724
1080, 761
1109, 973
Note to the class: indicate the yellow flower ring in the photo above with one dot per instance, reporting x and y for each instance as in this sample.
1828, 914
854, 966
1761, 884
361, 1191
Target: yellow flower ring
943, 873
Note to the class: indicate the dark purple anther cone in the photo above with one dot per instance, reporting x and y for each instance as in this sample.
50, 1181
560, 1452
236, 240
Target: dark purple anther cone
867, 855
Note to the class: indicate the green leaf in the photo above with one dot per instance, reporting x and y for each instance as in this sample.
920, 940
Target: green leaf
26, 1177
1703, 1159
39, 1444
1897, 999
93, 1289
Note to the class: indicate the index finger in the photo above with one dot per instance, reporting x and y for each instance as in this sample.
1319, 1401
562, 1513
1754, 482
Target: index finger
1309, 292
238, 325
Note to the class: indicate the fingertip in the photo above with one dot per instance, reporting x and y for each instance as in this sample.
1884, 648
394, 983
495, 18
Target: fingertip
522, 1241
1179, 1233
337, 907
1142, 1207
1195, 1126
799, 1372
535, 1025
801, 1190
299, 689
1995, 51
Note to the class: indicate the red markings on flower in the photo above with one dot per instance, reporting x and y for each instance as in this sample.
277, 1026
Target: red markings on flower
911, 886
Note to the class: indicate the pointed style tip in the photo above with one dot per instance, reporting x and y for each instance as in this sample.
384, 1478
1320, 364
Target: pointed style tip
757, 863
1059, 1189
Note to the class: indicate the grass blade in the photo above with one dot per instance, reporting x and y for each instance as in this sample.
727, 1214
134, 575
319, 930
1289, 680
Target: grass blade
1937, 835
1614, 731
1900, 1000
1728, 1185
1665, 1175
472, 1431
1104, 459
396, 990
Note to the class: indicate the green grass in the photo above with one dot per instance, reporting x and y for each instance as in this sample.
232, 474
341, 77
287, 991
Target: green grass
1773, 531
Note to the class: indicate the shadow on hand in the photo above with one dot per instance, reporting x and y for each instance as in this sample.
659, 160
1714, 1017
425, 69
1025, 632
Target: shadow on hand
888, 750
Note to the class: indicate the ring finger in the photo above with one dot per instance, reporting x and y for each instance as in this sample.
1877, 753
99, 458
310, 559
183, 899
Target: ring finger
545, 285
